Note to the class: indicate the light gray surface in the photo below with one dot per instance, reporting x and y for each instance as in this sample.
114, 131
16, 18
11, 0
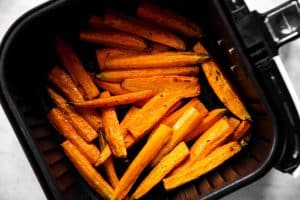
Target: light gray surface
17, 180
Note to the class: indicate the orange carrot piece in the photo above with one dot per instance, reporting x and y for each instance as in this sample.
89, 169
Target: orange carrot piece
159, 137
174, 108
61, 124
241, 131
79, 123
108, 164
171, 160
187, 122
87, 171
114, 39
96, 22
115, 100
234, 122
199, 48
201, 167
156, 47
168, 18
120, 75
208, 121
75, 68
142, 29
113, 88
112, 130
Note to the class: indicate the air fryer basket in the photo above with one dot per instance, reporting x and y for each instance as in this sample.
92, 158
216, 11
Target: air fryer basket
28, 54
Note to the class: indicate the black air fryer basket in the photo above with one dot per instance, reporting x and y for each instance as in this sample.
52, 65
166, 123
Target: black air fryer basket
246, 45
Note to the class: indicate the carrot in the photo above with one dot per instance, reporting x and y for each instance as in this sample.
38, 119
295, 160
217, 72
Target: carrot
177, 155
156, 48
115, 100
154, 109
96, 22
113, 88
187, 122
206, 143
65, 84
109, 164
114, 39
120, 75
224, 90
61, 124
75, 68
92, 117
195, 102
234, 122
174, 108
157, 60
199, 48
142, 29
183, 86
87, 171
170, 19
81, 126
201, 167
241, 131
149, 151
208, 121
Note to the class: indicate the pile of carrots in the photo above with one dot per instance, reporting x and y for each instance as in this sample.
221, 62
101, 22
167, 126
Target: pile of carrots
143, 64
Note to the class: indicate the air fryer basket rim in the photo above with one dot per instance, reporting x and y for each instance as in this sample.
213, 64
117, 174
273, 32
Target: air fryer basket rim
28, 143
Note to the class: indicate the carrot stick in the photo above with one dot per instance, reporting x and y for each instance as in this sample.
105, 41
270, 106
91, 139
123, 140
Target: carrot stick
114, 39
157, 60
96, 22
61, 124
154, 109
108, 164
199, 48
142, 29
167, 18
201, 167
113, 88
234, 122
81, 126
120, 75
87, 171
208, 121
75, 68
174, 108
115, 100
171, 160
187, 122
184, 86
112, 130
144, 157
241, 131
156, 47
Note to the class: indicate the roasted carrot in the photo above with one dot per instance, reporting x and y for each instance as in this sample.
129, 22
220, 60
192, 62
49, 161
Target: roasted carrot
120, 75
131, 25
199, 48
73, 65
212, 117
195, 102
79, 123
114, 39
170, 19
187, 122
109, 164
183, 86
174, 108
171, 160
61, 124
87, 171
156, 47
157, 60
113, 88
234, 122
224, 89
144, 157
241, 131
154, 109
201, 167
115, 100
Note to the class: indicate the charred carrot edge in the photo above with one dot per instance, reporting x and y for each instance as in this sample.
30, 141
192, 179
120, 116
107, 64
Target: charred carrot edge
187, 122
208, 121
112, 130
113, 88
144, 157
234, 122
131, 25
61, 124
120, 75
82, 127
171, 160
241, 131
203, 166
114, 38
75, 68
168, 18
115, 100
156, 47
87, 171
199, 48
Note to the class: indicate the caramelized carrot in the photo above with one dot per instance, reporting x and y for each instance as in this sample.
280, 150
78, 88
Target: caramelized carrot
113, 88
234, 122
199, 49
241, 131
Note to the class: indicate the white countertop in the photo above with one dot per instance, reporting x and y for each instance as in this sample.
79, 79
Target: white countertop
17, 180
